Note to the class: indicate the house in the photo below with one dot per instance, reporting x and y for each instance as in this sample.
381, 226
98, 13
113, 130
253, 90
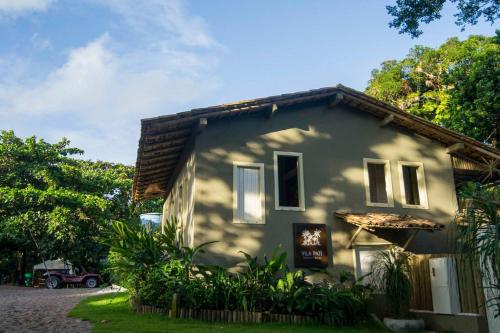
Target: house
330, 174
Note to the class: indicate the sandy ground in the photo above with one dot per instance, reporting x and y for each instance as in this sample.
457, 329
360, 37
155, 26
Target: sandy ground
42, 310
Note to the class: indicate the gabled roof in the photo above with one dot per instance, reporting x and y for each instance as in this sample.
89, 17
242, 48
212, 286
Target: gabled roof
163, 139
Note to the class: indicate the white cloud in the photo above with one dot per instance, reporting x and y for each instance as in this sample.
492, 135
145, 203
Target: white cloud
107, 93
169, 17
39, 42
17, 7
97, 96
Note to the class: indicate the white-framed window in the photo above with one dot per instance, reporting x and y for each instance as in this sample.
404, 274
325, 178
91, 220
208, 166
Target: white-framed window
248, 193
378, 183
364, 257
412, 185
288, 181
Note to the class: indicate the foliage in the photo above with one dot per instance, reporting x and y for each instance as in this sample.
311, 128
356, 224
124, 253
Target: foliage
61, 202
476, 235
391, 272
112, 313
155, 267
409, 14
455, 85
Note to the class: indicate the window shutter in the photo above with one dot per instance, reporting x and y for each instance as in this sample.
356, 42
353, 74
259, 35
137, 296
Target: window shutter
249, 204
252, 195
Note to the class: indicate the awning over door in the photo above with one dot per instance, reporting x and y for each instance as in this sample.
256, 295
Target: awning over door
373, 221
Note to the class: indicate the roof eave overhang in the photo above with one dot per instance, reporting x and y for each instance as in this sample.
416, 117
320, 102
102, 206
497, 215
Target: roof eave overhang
164, 138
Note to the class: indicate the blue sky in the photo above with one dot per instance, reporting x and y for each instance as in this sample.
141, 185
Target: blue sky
89, 70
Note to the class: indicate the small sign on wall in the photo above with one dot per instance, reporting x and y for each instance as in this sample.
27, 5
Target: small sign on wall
310, 245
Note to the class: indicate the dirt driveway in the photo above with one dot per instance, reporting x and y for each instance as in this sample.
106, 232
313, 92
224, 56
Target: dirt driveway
41, 310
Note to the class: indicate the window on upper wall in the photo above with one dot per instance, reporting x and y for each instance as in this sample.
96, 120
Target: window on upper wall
288, 181
248, 192
412, 185
378, 184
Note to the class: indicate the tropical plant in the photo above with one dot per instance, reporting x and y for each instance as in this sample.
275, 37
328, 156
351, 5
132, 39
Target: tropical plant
392, 275
158, 271
288, 290
476, 235
455, 85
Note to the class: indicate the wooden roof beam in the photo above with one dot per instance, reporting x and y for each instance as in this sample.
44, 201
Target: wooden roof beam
335, 100
168, 144
202, 124
161, 159
455, 148
166, 163
153, 172
387, 120
166, 136
486, 152
153, 156
271, 112
162, 182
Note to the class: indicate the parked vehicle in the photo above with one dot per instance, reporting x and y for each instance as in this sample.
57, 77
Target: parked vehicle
59, 279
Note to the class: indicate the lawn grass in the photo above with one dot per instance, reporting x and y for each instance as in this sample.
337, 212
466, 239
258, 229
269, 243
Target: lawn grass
112, 313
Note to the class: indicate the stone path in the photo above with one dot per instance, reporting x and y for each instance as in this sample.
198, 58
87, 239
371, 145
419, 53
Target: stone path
42, 310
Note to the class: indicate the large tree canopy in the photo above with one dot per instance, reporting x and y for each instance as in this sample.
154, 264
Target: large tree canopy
62, 203
455, 85
409, 14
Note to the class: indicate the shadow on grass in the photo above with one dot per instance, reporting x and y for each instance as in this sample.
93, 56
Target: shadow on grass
112, 313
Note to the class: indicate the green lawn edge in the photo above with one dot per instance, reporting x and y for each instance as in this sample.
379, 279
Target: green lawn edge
112, 313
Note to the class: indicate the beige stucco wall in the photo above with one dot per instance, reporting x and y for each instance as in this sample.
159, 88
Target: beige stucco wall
181, 205
334, 143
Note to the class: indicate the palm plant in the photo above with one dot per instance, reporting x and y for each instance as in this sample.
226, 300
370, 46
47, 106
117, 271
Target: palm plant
476, 235
392, 275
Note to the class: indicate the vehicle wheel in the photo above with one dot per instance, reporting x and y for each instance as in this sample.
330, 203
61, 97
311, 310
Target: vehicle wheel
91, 282
53, 282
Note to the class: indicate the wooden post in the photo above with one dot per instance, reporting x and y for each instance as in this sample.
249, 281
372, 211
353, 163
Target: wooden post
175, 299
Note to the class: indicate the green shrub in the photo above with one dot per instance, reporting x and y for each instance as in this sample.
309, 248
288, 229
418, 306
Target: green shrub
392, 268
156, 266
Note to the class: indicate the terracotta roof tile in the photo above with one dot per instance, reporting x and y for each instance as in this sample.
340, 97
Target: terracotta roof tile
372, 221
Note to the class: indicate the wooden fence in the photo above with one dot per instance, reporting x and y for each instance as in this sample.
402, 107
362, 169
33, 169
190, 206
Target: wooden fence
227, 316
470, 292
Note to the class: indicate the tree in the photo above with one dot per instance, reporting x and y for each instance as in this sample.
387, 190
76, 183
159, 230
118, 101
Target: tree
455, 85
62, 203
409, 14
